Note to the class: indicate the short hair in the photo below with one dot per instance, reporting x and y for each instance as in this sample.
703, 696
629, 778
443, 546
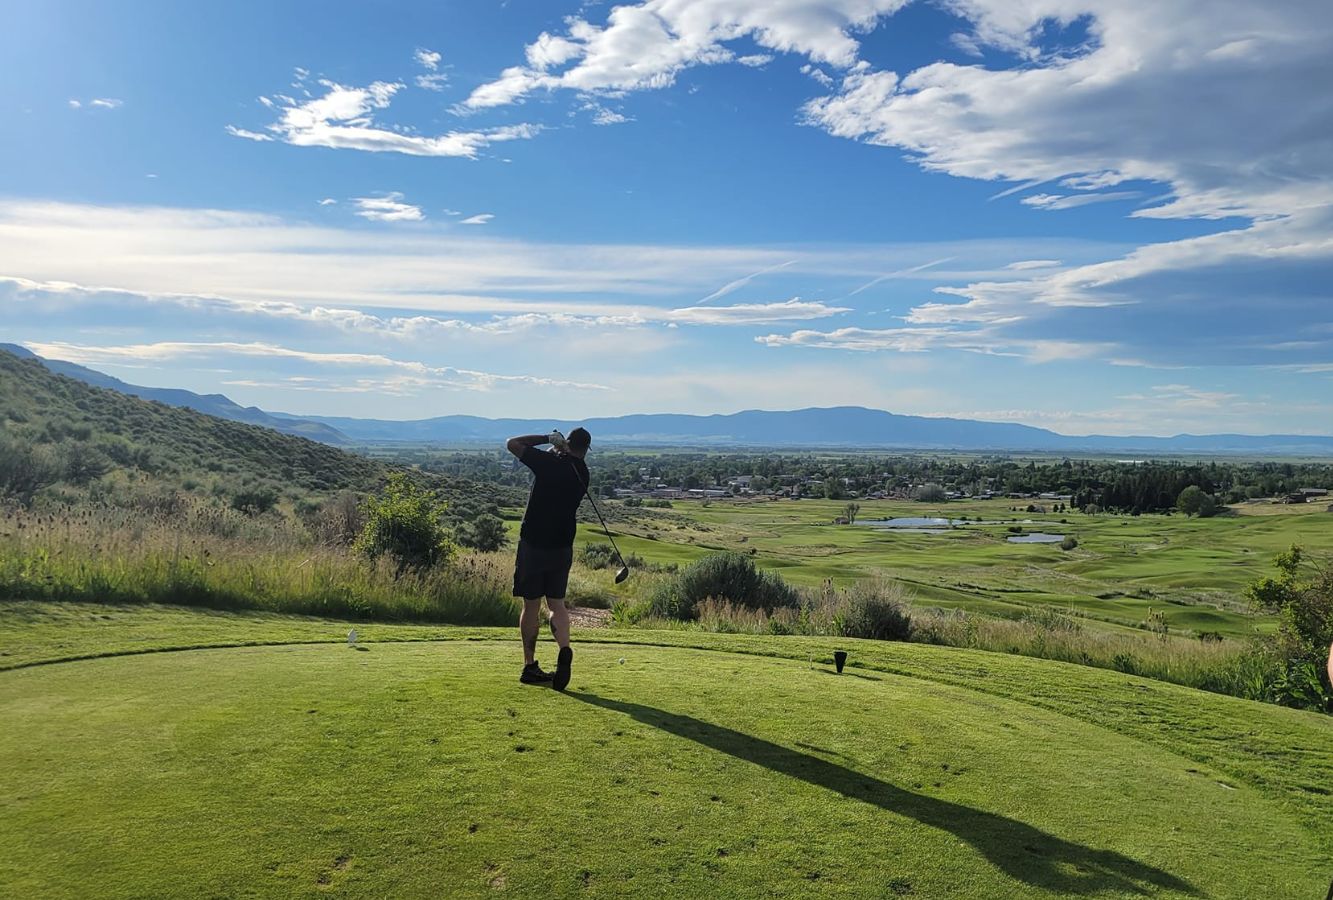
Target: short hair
580, 438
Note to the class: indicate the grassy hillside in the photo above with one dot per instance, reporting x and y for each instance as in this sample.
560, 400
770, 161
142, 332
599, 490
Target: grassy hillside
723, 766
89, 430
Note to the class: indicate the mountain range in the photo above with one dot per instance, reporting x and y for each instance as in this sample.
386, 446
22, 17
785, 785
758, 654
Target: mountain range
843, 427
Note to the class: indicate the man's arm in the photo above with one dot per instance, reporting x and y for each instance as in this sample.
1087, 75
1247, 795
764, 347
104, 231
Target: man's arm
516, 445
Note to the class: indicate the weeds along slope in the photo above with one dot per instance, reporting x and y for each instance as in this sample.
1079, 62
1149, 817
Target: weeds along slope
201, 554
881, 608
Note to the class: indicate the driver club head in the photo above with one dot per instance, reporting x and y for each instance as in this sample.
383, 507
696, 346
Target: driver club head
622, 574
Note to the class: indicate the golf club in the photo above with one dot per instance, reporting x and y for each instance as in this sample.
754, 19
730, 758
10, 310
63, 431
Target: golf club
624, 569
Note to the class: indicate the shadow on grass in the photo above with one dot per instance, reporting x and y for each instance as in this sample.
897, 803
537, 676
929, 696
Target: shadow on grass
1021, 851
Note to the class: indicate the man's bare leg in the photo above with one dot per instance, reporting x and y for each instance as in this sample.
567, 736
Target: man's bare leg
559, 622
529, 624
560, 628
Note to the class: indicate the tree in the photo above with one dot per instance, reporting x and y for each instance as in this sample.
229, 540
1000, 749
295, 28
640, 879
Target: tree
931, 493
1304, 606
849, 512
1193, 501
404, 522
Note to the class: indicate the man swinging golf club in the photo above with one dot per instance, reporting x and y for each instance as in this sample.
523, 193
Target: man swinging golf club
546, 543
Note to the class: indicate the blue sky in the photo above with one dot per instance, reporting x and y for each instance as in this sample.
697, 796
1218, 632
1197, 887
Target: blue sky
1086, 215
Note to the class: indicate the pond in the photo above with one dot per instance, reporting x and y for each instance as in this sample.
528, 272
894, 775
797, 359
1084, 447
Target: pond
906, 522
1036, 537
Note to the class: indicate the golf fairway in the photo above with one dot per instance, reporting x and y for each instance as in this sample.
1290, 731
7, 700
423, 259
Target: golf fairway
425, 769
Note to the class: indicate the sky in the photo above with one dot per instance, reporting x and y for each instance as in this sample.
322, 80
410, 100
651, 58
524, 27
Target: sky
1092, 216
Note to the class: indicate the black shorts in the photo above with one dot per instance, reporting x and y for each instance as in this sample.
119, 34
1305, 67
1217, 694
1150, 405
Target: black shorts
542, 571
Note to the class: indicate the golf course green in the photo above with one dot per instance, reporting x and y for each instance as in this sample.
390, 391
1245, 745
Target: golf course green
701, 765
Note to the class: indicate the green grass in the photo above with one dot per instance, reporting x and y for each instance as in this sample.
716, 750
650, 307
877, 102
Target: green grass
705, 765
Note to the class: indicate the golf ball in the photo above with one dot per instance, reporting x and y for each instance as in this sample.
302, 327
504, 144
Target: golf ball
622, 660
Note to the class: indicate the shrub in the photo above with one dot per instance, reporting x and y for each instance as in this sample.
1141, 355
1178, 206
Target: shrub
732, 577
255, 501
25, 469
404, 523
1069, 543
876, 609
1304, 606
486, 533
597, 556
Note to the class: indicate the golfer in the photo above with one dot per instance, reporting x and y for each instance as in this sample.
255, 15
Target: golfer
546, 543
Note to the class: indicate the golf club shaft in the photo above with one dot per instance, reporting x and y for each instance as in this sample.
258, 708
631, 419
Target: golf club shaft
587, 493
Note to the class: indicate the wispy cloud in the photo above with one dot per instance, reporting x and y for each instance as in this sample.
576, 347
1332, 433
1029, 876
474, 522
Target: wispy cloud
343, 118
409, 373
1071, 201
388, 208
96, 103
743, 281
899, 274
479, 219
248, 135
428, 59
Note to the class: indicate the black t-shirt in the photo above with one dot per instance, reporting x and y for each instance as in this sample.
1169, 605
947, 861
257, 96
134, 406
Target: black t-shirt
556, 493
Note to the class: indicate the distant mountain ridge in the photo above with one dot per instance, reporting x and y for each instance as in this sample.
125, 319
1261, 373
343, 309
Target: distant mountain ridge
844, 427
834, 427
209, 404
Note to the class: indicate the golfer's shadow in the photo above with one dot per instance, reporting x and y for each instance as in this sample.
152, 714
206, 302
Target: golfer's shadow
1023, 852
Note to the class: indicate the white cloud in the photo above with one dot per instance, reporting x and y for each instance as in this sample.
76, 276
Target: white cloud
755, 313
343, 118
435, 82
248, 135
410, 374
1072, 201
940, 337
479, 219
604, 116
645, 46
744, 280
756, 60
388, 208
818, 75
327, 201
551, 50
96, 103
428, 59
1025, 264
1149, 98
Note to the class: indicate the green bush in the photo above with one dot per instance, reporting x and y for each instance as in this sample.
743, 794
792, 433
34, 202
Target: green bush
404, 523
485, 532
254, 501
1304, 606
597, 556
876, 609
1069, 543
731, 577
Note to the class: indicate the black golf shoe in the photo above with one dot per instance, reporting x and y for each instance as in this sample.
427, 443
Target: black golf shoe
562, 664
533, 674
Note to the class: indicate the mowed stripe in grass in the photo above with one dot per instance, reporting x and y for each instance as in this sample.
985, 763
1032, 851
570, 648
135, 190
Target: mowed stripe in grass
425, 769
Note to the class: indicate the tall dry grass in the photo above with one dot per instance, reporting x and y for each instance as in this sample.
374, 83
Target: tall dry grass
199, 554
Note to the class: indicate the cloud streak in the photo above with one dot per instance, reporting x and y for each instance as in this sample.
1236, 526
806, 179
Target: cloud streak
343, 118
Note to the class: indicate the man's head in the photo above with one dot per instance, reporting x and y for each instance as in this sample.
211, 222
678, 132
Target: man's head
579, 442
